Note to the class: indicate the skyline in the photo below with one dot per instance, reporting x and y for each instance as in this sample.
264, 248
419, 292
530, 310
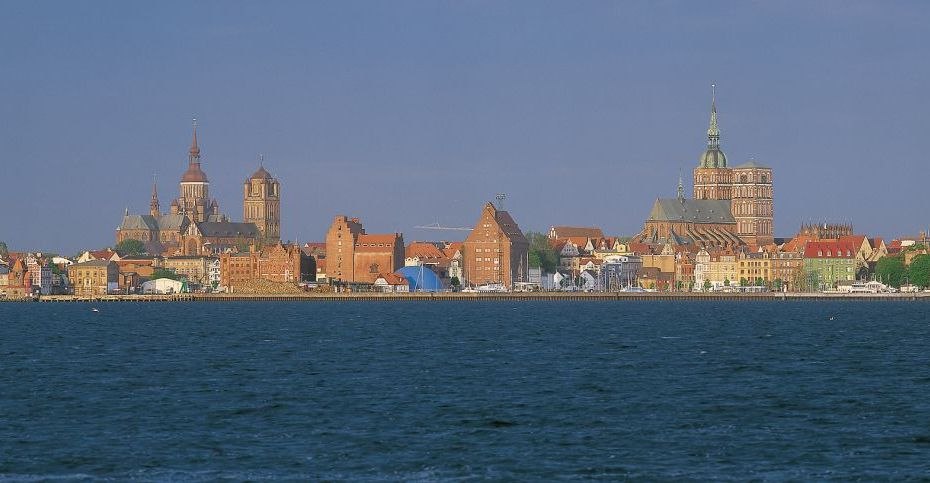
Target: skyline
584, 114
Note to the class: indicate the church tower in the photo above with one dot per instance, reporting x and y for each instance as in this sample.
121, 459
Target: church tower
261, 203
712, 177
752, 204
154, 209
195, 202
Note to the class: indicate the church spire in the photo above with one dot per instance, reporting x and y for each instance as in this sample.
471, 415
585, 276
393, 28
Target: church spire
154, 209
681, 187
195, 148
713, 133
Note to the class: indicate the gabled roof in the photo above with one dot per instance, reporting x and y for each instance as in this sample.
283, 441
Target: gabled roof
691, 211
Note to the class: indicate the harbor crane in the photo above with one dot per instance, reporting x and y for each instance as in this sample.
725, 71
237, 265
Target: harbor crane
437, 226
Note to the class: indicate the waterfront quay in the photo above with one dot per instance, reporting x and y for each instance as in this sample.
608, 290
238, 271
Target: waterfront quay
482, 297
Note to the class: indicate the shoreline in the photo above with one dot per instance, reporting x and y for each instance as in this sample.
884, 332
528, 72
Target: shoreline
460, 296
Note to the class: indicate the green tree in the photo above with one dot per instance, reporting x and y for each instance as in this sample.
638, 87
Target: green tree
743, 282
679, 285
455, 283
726, 282
163, 273
130, 247
776, 284
891, 271
760, 282
919, 271
707, 285
540, 253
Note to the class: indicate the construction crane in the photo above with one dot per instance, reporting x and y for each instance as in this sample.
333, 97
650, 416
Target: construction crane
437, 226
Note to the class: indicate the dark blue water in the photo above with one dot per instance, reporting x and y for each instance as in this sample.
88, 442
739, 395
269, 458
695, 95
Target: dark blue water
452, 391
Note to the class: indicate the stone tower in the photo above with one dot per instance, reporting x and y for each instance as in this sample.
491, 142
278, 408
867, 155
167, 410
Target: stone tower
261, 204
712, 178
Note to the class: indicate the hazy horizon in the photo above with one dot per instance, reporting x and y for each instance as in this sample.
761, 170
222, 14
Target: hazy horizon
410, 113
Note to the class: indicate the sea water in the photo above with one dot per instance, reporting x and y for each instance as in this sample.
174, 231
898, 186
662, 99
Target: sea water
427, 391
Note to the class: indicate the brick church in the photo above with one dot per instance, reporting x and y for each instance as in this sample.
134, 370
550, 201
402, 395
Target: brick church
194, 225
732, 206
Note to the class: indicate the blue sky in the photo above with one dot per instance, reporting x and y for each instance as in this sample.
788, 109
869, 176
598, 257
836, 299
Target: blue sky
409, 113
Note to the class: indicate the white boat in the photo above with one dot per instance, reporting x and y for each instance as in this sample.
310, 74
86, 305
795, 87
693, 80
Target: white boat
491, 287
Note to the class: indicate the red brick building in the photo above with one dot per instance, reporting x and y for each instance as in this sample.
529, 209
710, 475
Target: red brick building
355, 256
496, 250
277, 263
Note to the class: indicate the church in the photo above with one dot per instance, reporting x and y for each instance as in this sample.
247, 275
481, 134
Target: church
195, 226
731, 207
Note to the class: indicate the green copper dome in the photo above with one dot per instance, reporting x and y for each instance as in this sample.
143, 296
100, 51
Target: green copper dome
714, 158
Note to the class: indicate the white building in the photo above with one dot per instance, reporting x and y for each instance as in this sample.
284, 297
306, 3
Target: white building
162, 286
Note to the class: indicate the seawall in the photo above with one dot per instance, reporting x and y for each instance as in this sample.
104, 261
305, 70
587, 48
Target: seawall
514, 296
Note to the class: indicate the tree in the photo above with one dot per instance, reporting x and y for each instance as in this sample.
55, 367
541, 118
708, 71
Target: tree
679, 285
726, 282
130, 247
540, 253
776, 284
891, 271
707, 285
455, 283
919, 271
163, 273
743, 282
4, 251
760, 282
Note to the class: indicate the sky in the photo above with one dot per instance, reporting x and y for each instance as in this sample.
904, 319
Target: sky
407, 113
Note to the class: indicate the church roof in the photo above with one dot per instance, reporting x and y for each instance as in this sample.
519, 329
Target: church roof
262, 173
171, 222
152, 223
750, 164
220, 229
691, 211
138, 222
194, 174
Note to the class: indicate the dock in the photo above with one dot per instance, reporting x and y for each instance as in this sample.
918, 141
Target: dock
492, 297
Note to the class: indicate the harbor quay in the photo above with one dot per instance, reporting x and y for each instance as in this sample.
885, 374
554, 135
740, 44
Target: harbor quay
492, 297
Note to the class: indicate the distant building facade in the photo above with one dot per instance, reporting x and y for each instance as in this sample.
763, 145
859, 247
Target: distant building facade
276, 263
496, 251
352, 255
94, 278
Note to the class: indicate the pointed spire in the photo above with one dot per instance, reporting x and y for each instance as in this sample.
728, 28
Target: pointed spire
195, 148
681, 187
154, 208
713, 132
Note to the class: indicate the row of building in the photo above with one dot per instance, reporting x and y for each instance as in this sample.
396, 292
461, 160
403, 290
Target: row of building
720, 238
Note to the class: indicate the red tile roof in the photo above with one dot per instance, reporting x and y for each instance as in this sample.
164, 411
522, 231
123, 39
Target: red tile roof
830, 249
424, 251
393, 279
